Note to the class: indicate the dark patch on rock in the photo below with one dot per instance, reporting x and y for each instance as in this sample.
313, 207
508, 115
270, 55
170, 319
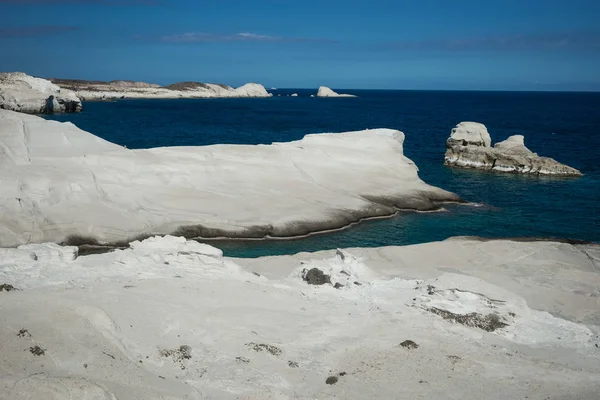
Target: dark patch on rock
430, 289
37, 350
5, 287
332, 380
243, 360
80, 240
357, 283
409, 344
489, 322
184, 86
24, 333
293, 364
342, 373
179, 355
273, 350
316, 277
338, 285
454, 359
87, 250
512, 314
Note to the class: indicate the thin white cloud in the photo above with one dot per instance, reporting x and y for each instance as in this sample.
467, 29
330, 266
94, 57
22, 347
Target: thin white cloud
202, 37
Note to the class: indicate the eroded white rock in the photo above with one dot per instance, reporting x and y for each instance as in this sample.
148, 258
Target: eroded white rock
469, 146
23, 93
58, 180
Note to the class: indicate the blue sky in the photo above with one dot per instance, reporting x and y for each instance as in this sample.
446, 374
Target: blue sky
381, 44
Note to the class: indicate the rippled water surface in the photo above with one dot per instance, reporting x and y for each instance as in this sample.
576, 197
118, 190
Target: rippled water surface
565, 126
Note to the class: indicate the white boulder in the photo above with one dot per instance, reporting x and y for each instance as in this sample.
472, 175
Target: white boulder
324, 91
471, 133
23, 93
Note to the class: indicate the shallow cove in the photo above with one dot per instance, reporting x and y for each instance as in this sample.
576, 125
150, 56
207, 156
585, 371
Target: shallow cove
560, 125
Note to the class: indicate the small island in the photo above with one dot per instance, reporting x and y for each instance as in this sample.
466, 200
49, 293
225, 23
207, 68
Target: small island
469, 146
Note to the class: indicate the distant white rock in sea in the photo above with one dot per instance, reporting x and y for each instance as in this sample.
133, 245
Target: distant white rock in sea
58, 180
95, 90
324, 91
312, 95
23, 93
294, 95
469, 146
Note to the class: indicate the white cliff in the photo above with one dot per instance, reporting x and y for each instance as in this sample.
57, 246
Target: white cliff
58, 181
469, 146
174, 319
324, 91
27, 94
96, 90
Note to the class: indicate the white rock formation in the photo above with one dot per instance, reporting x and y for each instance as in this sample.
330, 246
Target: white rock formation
94, 90
24, 93
472, 133
58, 180
174, 319
324, 91
294, 95
469, 146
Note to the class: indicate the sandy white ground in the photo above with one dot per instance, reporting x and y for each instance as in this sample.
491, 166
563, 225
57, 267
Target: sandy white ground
172, 319
58, 180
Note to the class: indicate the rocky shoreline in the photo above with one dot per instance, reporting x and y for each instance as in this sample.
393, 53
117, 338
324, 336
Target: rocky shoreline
98, 90
24, 93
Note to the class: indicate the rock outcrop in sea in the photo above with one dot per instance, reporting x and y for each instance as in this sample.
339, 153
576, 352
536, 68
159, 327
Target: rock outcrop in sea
98, 90
23, 93
469, 146
324, 91
58, 181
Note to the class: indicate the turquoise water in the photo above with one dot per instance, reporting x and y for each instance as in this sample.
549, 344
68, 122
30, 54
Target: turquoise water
565, 126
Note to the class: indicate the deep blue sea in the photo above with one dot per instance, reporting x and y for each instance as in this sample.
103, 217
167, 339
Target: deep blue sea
565, 126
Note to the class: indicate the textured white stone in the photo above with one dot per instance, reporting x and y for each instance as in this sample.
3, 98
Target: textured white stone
173, 319
471, 133
58, 180
24, 93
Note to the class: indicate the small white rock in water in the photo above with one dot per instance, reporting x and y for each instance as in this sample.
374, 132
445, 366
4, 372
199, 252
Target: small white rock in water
469, 146
324, 91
